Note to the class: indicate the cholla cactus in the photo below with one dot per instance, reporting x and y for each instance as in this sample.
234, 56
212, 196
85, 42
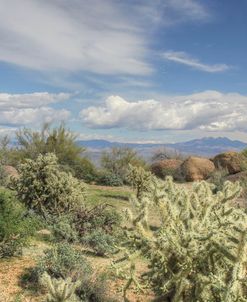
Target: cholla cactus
60, 290
44, 188
199, 250
139, 179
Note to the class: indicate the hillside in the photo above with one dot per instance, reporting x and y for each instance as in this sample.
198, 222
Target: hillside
207, 146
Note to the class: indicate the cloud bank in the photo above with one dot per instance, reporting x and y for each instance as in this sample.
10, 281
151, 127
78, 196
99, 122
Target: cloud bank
31, 108
208, 111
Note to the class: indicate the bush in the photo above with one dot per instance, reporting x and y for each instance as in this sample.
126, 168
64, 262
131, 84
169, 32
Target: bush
62, 261
15, 225
45, 189
84, 169
115, 162
63, 229
86, 220
110, 179
218, 178
102, 243
198, 250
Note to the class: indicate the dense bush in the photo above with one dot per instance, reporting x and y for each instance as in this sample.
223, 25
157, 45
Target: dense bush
62, 261
109, 179
218, 178
63, 229
102, 243
45, 189
101, 217
115, 162
15, 225
198, 251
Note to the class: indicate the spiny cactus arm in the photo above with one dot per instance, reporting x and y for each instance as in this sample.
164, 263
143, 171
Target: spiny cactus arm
237, 271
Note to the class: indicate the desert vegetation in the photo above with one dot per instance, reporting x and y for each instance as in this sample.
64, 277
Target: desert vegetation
128, 230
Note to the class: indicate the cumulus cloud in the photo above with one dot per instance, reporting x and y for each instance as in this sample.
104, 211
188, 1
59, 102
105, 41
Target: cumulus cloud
185, 59
208, 111
31, 108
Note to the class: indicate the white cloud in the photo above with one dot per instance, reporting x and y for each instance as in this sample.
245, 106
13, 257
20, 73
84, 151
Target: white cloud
31, 100
207, 111
99, 36
185, 59
31, 108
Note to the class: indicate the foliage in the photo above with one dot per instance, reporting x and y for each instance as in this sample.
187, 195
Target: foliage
63, 229
116, 161
3, 176
45, 189
15, 225
62, 261
198, 251
110, 179
218, 178
140, 180
84, 169
102, 243
167, 153
60, 290
100, 217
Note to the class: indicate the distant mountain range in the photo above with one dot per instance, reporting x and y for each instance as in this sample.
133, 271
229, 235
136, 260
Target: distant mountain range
207, 146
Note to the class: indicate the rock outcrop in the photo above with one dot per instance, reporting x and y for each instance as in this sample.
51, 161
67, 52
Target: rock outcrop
196, 168
232, 161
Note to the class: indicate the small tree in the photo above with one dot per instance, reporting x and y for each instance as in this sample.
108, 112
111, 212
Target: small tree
45, 189
116, 161
198, 252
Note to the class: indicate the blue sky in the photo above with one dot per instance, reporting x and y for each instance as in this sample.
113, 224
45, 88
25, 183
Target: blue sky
147, 71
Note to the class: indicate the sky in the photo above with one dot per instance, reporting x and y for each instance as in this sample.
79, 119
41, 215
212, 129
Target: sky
130, 70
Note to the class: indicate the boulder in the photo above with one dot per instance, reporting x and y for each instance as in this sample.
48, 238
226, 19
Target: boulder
165, 167
196, 168
237, 176
232, 161
11, 171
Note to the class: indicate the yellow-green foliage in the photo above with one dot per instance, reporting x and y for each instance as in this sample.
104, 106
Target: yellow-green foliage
198, 252
60, 290
44, 188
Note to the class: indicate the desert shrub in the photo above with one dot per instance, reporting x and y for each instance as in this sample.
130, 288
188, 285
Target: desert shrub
116, 161
3, 176
109, 179
102, 243
84, 169
16, 225
62, 261
63, 229
100, 217
218, 178
45, 189
95, 289
198, 251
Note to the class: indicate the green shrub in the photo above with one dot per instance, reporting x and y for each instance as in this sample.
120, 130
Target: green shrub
198, 251
45, 189
63, 229
102, 243
3, 176
218, 178
16, 225
86, 220
110, 179
62, 261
